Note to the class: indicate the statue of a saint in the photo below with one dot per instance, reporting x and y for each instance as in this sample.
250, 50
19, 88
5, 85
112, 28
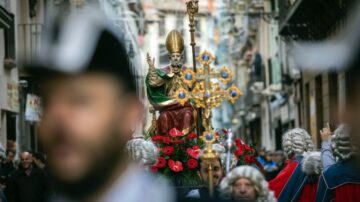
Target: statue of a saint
161, 86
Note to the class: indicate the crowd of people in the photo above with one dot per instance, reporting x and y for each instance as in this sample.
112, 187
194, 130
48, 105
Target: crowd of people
25, 178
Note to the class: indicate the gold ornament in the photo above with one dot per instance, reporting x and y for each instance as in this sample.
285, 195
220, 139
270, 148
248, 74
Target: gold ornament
233, 93
188, 77
182, 95
174, 42
225, 75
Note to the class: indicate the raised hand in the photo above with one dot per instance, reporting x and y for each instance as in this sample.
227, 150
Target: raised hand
325, 133
151, 62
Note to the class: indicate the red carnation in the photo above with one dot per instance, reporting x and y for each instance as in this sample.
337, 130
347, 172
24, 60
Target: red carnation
166, 140
156, 138
249, 159
224, 131
194, 152
238, 142
192, 164
175, 132
239, 152
168, 150
161, 162
175, 166
178, 141
247, 147
192, 135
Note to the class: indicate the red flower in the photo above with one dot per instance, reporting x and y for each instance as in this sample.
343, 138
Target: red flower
196, 147
153, 168
194, 152
175, 166
166, 140
161, 162
238, 142
168, 150
247, 147
249, 159
178, 141
192, 164
239, 152
192, 135
156, 138
175, 132
224, 131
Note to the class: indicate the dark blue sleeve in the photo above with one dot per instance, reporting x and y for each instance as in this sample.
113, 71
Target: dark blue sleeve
323, 193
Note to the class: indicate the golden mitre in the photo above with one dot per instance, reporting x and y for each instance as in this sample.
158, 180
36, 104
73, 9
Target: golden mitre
174, 42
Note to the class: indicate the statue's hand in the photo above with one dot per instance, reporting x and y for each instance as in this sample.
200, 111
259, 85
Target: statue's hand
151, 62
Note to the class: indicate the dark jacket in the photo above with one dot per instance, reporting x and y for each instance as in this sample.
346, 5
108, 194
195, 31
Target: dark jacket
23, 188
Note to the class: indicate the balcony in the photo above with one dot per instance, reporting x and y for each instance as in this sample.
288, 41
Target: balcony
29, 36
311, 19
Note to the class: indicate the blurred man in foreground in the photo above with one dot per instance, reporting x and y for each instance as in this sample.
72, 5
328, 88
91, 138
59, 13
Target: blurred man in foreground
90, 110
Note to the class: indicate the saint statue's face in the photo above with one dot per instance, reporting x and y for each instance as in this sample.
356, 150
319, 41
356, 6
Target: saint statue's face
175, 59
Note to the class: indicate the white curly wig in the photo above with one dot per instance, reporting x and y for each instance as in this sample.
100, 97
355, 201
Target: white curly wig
297, 141
341, 145
311, 164
142, 151
252, 174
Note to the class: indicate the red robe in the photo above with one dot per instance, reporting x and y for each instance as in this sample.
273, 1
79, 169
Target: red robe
308, 193
278, 183
347, 193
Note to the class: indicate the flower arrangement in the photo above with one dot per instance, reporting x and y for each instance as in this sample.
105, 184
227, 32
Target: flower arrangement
178, 154
244, 153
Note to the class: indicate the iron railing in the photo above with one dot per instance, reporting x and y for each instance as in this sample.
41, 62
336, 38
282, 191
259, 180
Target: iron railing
29, 36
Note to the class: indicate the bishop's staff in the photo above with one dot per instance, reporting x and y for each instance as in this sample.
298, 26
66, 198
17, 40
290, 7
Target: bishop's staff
192, 8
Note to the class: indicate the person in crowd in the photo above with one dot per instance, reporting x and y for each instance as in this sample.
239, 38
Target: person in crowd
142, 152
270, 166
218, 174
8, 167
340, 180
327, 157
302, 185
295, 143
28, 183
245, 183
90, 111
262, 156
39, 160
280, 160
2, 189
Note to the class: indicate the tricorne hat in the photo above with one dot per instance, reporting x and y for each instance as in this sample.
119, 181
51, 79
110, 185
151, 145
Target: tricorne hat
174, 42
